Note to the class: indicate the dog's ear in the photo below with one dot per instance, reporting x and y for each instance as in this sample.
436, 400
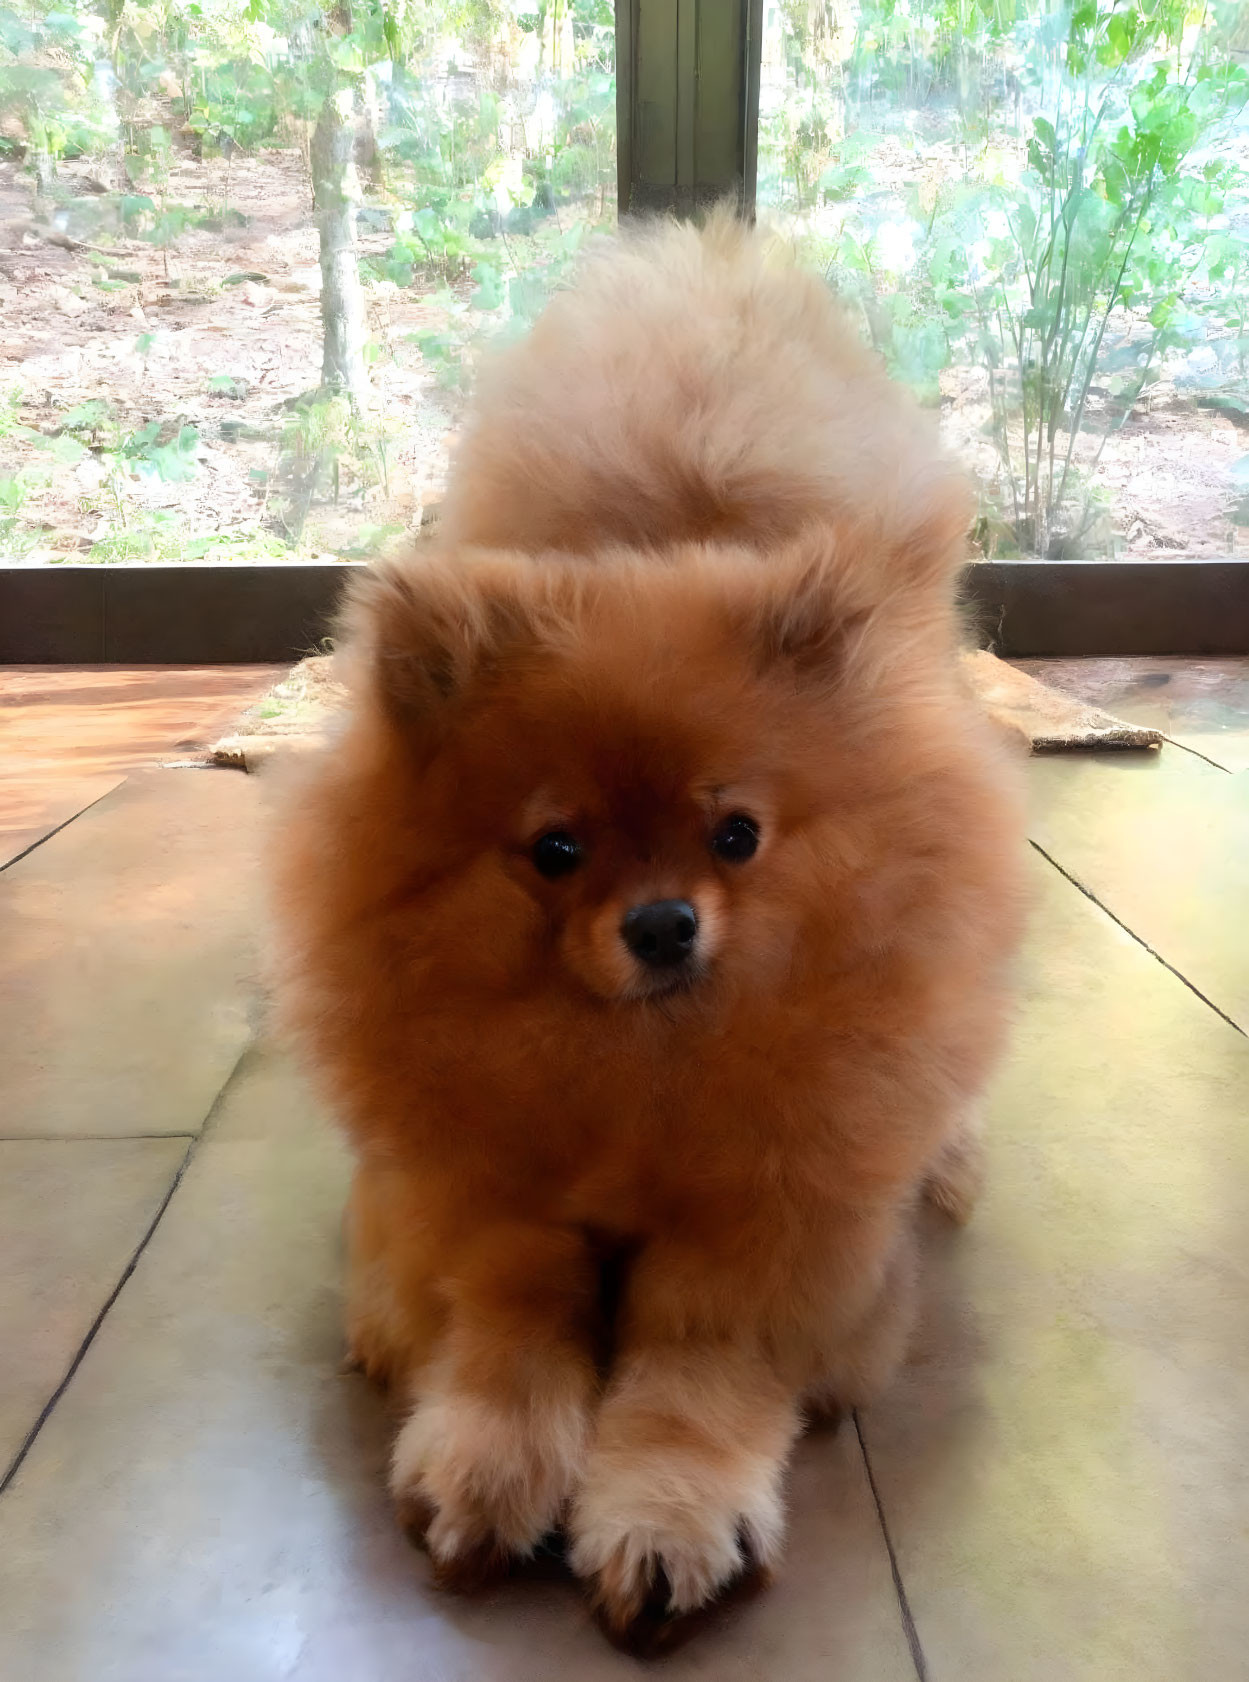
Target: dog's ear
420, 633
799, 615
812, 601
799, 609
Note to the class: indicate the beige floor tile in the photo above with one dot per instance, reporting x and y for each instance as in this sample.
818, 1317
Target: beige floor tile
1161, 840
206, 1505
72, 1214
128, 969
73, 795
1065, 1467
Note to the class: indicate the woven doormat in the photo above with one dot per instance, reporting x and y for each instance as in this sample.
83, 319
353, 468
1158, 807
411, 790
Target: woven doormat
298, 712
1052, 721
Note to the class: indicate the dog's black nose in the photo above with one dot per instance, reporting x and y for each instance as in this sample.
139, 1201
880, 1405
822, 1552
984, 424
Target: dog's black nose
661, 934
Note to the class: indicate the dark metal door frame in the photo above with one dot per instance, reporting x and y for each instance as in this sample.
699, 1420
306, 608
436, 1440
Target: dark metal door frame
687, 104
147, 613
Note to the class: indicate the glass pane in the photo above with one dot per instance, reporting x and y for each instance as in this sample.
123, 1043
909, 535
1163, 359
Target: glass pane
163, 389
1041, 215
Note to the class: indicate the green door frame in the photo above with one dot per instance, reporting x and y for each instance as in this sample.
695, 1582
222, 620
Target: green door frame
687, 103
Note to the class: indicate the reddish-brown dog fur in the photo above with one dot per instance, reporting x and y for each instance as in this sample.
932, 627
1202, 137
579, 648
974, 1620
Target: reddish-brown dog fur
698, 559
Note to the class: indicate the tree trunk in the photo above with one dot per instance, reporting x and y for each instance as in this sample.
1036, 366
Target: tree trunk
336, 193
39, 152
45, 172
368, 154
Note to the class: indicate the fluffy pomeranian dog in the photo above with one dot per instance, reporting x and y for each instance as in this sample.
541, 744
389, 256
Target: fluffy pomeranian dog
649, 924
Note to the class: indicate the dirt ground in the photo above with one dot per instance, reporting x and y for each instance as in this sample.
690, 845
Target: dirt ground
85, 313
1166, 474
153, 345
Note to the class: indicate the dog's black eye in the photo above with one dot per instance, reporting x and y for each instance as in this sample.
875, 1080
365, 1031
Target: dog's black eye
737, 839
555, 854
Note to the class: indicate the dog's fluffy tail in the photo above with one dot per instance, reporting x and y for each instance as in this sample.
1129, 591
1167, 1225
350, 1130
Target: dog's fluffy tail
694, 384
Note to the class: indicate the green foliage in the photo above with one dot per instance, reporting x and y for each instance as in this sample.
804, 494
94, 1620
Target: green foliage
328, 451
489, 147
1104, 235
1051, 196
160, 449
15, 489
160, 536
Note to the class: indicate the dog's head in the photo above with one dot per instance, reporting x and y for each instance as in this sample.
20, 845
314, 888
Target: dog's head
634, 774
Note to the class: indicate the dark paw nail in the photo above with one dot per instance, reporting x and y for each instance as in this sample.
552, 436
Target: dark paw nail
646, 1633
479, 1567
414, 1517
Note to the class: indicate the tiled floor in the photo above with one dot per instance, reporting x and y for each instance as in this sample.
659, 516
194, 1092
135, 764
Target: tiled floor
72, 733
1058, 1486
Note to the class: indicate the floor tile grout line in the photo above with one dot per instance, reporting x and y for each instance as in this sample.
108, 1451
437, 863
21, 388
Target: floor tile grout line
73, 818
195, 1139
86, 1138
1197, 754
45, 1412
1143, 944
181, 765
899, 1587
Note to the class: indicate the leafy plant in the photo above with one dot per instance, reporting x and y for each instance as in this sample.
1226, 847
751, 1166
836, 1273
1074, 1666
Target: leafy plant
328, 449
14, 490
160, 536
1070, 280
1052, 196
159, 449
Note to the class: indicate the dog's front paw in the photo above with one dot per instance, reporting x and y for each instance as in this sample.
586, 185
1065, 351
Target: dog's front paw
665, 1539
482, 1485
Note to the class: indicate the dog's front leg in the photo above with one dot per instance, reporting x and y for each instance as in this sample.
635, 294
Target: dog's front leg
681, 1497
496, 1440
